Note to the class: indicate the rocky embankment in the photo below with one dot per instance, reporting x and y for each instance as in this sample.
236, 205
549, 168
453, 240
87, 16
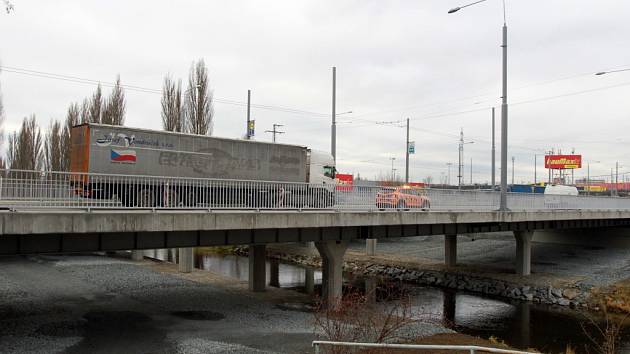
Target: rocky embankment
570, 296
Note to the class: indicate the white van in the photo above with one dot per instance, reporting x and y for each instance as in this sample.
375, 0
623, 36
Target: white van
558, 196
558, 189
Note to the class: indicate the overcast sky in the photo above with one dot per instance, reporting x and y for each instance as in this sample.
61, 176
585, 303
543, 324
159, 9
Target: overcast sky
394, 59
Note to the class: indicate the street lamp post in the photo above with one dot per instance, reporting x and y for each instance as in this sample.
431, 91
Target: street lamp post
588, 176
449, 164
392, 158
504, 109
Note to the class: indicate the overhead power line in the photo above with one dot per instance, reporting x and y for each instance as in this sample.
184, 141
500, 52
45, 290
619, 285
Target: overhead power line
81, 80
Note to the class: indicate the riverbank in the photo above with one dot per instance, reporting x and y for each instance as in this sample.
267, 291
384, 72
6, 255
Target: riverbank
572, 286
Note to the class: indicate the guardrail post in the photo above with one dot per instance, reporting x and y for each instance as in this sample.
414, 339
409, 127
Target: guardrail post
316, 348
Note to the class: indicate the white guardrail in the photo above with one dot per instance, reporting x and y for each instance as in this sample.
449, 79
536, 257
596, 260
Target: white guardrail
470, 348
36, 189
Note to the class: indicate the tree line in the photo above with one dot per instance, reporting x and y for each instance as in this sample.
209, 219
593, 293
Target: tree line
190, 111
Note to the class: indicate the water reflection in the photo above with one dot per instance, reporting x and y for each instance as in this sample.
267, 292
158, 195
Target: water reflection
519, 324
278, 274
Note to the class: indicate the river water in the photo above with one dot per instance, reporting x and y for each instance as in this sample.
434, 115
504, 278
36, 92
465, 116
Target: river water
520, 324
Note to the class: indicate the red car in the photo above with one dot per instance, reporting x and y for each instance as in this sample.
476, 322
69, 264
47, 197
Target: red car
403, 197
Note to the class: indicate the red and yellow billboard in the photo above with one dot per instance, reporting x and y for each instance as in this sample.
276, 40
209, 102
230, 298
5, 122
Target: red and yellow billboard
344, 181
563, 162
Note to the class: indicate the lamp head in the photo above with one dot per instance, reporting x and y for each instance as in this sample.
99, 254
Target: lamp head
455, 9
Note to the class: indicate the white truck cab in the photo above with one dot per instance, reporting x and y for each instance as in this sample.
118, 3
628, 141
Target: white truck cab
321, 168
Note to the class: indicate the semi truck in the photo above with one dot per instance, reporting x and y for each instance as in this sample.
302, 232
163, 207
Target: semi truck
115, 162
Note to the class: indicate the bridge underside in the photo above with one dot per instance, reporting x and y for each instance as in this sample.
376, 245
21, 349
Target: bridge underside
112, 241
31, 233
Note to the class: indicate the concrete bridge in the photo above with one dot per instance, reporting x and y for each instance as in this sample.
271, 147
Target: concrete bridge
67, 230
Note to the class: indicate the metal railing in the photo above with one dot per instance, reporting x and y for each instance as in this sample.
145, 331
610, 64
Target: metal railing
472, 349
38, 189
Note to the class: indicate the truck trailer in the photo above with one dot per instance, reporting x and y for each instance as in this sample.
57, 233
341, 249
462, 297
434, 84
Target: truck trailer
149, 168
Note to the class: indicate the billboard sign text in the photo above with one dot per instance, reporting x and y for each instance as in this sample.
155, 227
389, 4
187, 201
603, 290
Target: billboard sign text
562, 162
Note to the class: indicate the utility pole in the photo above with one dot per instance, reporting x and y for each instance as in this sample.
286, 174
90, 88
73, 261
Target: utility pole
275, 131
512, 170
407, 155
471, 171
249, 97
617, 178
448, 180
493, 153
588, 178
535, 164
573, 170
461, 159
333, 128
612, 188
504, 122
392, 158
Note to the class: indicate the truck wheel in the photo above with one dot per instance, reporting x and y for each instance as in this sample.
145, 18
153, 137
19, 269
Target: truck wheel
145, 198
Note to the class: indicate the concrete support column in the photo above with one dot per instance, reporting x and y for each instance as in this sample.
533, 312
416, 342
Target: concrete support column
523, 252
450, 250
186, 259
137, 255
257, 268
309, 280
332, 269
370, 246
274, 273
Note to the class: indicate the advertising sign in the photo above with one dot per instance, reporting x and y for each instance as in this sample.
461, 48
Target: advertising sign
563, 162
412, 147
344, 181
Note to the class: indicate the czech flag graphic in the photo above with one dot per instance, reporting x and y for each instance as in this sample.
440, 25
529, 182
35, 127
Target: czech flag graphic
125, 156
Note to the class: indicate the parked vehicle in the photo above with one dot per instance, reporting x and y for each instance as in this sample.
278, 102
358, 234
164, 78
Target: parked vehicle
278, 175
402, 198
558, 196
558, 189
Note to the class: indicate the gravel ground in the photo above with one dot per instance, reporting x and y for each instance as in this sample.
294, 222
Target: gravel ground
598, 266
96, 304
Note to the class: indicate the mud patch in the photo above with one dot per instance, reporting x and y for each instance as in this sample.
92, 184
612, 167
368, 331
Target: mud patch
199, 315
119, 332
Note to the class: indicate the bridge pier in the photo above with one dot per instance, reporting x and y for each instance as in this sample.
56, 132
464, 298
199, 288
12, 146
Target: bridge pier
450, 250
257, 268
523, 252
309, 281
137, 255
332, 253
370, 247
274, 273
185, 259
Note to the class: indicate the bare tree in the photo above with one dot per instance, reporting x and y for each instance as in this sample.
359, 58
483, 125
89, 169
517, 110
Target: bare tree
73, 117
85, 111
95, 109
53, 147
25, 146
115, 106
198, 108
172, 115
8, 6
